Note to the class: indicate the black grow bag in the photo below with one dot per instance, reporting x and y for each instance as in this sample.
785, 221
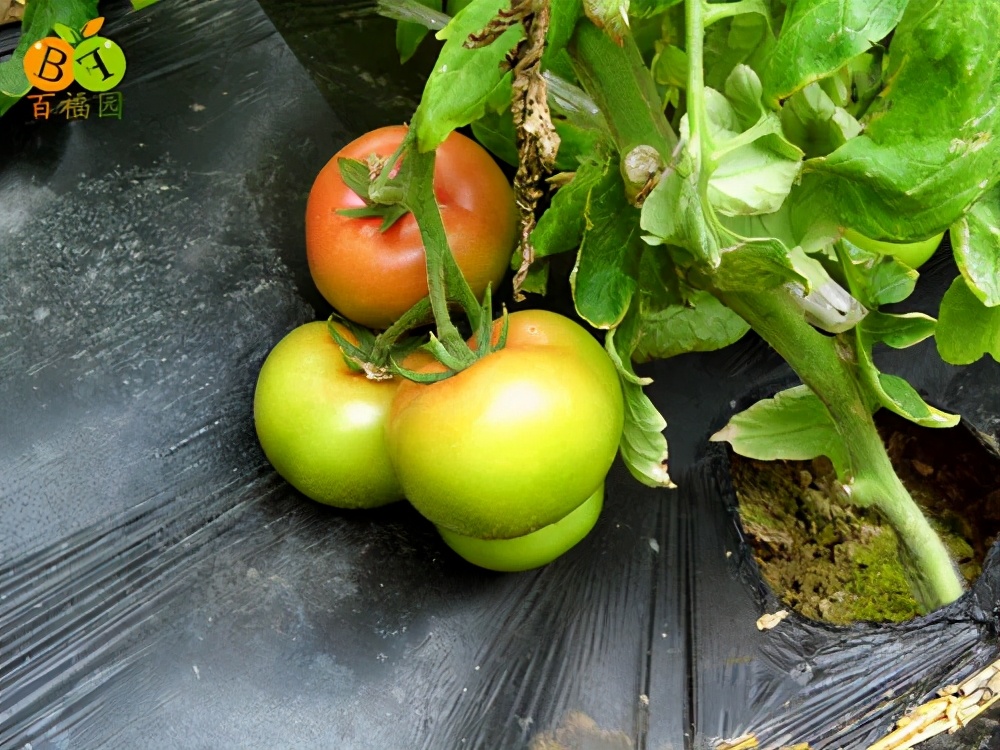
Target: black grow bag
161, 587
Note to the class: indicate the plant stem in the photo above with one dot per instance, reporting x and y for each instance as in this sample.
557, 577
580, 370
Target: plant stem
414, 188
823, 363
621, 86
826, 365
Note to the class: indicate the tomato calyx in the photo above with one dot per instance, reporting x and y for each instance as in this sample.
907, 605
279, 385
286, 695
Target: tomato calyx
379, 357
359, 177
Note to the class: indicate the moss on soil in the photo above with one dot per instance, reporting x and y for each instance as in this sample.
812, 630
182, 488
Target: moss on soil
831, 561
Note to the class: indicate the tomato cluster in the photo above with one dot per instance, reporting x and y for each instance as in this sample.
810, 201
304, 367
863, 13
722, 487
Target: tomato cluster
507, 458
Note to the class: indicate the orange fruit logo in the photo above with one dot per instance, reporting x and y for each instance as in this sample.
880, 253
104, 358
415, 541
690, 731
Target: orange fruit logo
96, 63
48, 63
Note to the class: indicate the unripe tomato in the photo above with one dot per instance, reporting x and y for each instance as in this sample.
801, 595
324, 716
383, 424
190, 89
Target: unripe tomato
913, 254
373, 277
322, 425
516, 441
531, 550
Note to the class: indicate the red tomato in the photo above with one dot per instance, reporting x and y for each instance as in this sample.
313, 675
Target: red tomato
516, 441
373, 277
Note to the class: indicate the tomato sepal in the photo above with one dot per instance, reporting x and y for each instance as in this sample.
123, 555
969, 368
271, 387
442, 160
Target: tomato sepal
424, 378
358, 176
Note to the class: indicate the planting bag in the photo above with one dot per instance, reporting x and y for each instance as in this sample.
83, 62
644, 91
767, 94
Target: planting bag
162, 587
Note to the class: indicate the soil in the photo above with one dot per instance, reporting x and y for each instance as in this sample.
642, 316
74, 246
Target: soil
835, 562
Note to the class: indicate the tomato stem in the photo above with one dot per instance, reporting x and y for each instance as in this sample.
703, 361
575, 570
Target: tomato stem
828, 368
412, 186
822, 364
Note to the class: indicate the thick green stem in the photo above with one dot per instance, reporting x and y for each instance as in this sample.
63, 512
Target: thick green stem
621, 86
827, 367
823, 365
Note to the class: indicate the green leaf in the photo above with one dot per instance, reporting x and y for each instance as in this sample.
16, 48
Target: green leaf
732, 41
752, 179
607, 264
39, 20
875, 279
670, 66
792, 426
560, 229
898, 331
409, 35
755, 167
537, 280
562, 20
463, 80
702, 325
967, 330
495, 131
819, 36
976, 242
140, 4
900, 397
812, 121
892, 391
643, 446
751, 264
930, 146
673, 214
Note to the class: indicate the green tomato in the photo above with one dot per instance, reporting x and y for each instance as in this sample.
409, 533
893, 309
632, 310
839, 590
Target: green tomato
531, 550
514, 442
322, 425
913, 254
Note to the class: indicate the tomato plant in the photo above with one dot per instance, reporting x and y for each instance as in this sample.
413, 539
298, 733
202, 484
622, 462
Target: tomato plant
717, 155
516, 441
913, 254
534, 549
322, 425
373, 274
